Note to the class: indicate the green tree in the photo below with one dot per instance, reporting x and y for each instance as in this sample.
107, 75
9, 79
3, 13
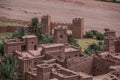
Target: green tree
94, 34
94, 48
35, 27
8, 67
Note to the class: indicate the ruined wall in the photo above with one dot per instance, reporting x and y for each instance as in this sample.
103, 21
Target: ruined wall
117, 46
4, 29
83, 64
101, 65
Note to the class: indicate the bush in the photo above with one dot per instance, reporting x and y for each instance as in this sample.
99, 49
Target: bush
100, 36
72, 40
94, 34
93, 48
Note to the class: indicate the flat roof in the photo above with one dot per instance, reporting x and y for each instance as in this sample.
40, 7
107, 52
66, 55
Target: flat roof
30, 53
52, 45
69, 49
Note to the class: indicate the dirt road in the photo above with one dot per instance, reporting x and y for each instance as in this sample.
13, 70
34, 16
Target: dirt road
98, 15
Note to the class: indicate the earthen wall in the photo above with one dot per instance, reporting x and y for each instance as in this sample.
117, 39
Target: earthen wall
10, 29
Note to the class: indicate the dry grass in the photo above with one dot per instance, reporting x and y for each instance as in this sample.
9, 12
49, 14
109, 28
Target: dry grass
84, 43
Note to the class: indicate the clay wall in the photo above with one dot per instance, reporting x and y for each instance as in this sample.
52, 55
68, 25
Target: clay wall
32, 43
10, 48
54, 24
60, 35
110, 33
30, 76
24, 65
77, 26
46, 23
57, 52
109, 44
10, 29
72, 54
65, 78
83, 64
44, 72
117, 46
99, 69
38, 60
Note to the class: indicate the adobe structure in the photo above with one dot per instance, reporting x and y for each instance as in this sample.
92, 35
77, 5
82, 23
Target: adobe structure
76, 27
60, 60
111, 42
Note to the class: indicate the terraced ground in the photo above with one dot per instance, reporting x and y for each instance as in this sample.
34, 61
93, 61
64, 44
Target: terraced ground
97, 14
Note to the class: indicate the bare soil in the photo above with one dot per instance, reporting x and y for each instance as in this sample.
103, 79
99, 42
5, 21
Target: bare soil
98, 15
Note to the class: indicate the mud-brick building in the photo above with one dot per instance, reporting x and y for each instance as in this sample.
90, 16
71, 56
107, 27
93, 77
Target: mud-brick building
111, 41
76, 27
62, 61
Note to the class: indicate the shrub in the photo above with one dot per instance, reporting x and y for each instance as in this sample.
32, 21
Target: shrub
94, 34
72, 40
93, 48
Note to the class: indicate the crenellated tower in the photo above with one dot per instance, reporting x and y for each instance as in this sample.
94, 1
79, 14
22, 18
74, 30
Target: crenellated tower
46, 22
78, 27
60, 34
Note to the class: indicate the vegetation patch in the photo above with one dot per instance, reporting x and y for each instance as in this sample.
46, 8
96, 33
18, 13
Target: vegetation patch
94, 48
85, 42
94, 35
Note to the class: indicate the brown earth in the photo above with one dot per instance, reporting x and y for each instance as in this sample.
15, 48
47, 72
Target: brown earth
98, 15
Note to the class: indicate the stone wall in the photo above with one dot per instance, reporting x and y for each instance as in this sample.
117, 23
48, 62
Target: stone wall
102, 65
81, 64
10, 29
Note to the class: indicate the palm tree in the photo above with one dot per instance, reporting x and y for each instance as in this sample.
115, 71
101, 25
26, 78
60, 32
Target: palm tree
8, 67
35, 27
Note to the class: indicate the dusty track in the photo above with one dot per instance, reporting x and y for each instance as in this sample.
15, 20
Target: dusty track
98, 15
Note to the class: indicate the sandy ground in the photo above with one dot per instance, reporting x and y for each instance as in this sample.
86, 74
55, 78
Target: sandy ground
98, 15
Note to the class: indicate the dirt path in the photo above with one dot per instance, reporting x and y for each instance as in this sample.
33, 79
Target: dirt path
98, 15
